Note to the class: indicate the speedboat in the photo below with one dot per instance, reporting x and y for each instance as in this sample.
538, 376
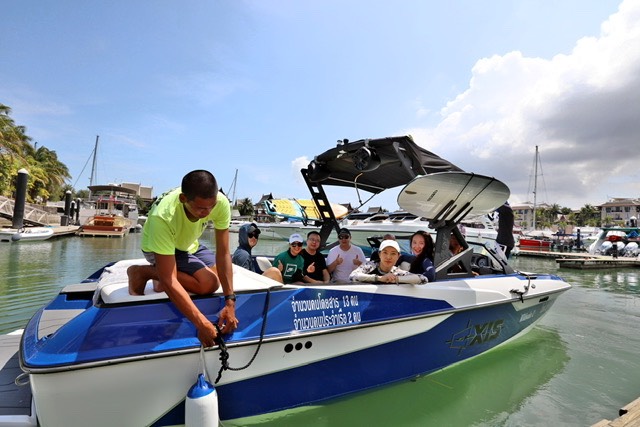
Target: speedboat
97, 355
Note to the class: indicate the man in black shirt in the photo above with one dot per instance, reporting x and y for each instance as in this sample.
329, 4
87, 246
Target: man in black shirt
315, 264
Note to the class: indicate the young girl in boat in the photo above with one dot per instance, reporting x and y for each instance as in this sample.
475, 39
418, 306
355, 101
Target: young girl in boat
386, 271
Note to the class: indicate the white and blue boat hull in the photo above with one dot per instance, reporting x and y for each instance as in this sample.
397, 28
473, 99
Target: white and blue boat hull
131, 362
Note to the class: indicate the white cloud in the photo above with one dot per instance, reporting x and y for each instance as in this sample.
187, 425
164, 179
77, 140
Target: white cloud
296, 165
581, 109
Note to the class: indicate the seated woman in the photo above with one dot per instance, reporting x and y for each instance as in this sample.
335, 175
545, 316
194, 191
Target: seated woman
386, 271
422, 248
290, 263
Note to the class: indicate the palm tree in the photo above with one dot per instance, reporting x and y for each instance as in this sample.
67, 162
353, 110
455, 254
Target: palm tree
589, 216
553, 213
55, 173
14, 150
47, 174
245, 207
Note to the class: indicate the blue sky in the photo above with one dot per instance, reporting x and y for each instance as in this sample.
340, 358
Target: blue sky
263, 86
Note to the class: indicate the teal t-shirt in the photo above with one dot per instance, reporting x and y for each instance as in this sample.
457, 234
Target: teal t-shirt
168, 228
292, 266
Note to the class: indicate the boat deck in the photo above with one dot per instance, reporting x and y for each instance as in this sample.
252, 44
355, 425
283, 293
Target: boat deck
15, 401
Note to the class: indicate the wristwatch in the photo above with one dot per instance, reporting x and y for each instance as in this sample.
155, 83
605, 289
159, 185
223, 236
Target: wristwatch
231, 297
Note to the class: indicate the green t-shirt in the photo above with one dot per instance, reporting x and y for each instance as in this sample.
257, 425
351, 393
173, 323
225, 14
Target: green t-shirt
167, 227
292, 266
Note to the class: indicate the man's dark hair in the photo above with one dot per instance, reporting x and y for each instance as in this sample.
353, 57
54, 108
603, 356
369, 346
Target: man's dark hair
313, 232
199, 183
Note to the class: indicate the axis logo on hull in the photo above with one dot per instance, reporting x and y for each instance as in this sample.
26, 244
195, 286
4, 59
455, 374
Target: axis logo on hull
475, 334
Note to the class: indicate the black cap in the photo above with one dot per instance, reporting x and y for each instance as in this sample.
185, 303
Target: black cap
344, 231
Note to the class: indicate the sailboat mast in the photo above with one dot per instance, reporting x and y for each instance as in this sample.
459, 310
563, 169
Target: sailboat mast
535, 187
94, 171
232, 189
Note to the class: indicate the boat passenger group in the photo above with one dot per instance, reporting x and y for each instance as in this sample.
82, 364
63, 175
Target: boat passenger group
178, 264
345, 262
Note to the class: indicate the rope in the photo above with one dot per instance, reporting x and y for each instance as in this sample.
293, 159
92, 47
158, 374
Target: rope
204, 366
224, 353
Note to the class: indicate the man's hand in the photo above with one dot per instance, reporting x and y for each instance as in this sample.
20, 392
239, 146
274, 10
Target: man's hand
228, 321
207, 334
312, 267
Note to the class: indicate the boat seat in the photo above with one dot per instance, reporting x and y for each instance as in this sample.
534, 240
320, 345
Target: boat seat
263, 263
113, 284
461, 262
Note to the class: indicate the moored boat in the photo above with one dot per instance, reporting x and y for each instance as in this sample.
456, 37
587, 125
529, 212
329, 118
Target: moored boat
129, 360
401, 224
112, 212
618, 241
25, 234
105, 226
532, 244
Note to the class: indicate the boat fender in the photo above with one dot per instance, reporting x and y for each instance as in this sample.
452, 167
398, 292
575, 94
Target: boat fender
201, 406
15, 237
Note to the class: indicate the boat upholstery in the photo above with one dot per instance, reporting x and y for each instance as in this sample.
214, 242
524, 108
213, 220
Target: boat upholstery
263, 263
113, 285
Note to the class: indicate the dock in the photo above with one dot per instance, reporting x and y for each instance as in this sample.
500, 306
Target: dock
552, 254
64, 230
628, 416
583, 260
592, 263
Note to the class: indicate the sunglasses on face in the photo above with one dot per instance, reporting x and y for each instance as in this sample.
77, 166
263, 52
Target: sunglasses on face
296, 244
343, 236
252, 235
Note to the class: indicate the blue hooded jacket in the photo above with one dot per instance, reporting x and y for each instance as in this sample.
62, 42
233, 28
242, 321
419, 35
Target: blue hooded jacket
242, 255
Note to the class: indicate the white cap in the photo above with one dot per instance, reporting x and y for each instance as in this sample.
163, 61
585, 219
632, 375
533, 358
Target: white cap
295, 237
389, 243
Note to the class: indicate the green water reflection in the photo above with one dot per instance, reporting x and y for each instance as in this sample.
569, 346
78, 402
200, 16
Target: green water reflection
475, 391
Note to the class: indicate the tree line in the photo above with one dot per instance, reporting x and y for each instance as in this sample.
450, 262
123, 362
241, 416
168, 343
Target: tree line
47, 174
587, 216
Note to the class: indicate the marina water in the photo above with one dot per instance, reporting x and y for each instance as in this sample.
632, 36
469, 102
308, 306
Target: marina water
578, 366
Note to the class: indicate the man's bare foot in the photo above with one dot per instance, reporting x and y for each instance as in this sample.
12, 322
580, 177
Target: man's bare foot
137, 282
156, 286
